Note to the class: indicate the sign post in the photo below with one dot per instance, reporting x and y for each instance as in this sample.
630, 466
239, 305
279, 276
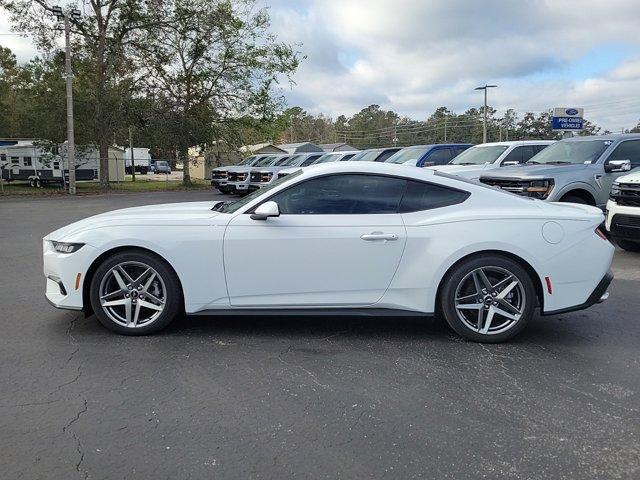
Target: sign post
567, 119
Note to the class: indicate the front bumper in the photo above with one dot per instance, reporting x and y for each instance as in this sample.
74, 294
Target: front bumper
238, 186
63, 288
599, 295
623, 222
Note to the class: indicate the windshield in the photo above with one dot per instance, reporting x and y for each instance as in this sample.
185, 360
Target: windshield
368, 156
289, 161
479, 155
161, 163
233, 206
248, 160
407, 154
309, 160
282, 161
327, 157
582, 151
264, 162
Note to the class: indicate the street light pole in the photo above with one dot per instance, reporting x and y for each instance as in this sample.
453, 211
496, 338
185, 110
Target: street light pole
71, 146
73, 14
484, 123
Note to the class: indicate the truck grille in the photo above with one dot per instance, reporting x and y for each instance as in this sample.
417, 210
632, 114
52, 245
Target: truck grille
513, 186
626, 220
260, 177
219, 175
629, 195
236, 177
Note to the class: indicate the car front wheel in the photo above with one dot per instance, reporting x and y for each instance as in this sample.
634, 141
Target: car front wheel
135, 293
488, 298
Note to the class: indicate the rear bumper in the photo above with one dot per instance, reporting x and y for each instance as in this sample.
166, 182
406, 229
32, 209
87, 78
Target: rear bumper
599, 295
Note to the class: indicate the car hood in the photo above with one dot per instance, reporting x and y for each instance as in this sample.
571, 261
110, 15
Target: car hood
533, 171
232, 168
631, 178
186, 213
267, 169
466, 171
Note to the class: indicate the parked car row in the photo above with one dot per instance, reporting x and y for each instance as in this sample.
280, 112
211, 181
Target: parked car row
575, 170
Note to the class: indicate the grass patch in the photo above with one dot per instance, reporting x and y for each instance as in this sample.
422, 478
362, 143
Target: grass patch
93, 188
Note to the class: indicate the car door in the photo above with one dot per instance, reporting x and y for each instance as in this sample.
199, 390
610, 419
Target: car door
337, 242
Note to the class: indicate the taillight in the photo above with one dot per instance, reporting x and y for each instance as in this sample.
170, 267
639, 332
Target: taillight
601, 234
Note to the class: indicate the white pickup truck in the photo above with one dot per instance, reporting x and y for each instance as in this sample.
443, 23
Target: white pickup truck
623, 212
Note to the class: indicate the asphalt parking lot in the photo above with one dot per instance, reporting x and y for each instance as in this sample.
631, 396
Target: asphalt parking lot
232, 398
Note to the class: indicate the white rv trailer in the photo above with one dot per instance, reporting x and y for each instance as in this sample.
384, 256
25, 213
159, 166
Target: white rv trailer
141, 159
39, 165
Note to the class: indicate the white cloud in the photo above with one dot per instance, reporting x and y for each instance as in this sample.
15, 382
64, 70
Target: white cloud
413, 56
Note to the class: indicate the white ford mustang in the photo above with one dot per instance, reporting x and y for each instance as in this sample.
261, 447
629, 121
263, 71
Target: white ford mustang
340, 238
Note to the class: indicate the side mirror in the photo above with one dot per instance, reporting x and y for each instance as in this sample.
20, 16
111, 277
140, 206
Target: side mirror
612, 166
266, 210
510, 163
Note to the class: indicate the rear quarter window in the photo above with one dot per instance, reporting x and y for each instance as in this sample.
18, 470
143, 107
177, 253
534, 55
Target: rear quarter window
420, 196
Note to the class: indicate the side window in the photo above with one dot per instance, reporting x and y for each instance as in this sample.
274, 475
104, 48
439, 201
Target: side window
440, 156
27, 161
425, 196
386, 154
539, 148
458, 150
628, 150
347, 157
310, 160
514, 155
346, 194
528, 151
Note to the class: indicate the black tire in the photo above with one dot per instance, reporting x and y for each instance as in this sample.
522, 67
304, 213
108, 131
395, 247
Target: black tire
629, 245
173, 300
569, 198
37, 183
458, 276
32, 183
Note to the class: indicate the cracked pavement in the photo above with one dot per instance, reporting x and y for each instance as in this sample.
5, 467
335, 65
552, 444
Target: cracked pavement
305, 397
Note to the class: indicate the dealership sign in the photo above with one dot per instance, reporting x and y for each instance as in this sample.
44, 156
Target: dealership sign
564, 118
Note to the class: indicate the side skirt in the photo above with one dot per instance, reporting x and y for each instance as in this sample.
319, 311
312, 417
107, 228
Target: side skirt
315, 312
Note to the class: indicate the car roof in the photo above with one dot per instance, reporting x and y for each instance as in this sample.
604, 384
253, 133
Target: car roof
516, 142
611, 136
428, 145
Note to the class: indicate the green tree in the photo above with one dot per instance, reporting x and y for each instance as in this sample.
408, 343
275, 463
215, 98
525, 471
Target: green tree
213, 63
102, 41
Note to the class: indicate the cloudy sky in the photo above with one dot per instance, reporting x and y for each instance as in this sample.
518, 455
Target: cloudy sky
415, 55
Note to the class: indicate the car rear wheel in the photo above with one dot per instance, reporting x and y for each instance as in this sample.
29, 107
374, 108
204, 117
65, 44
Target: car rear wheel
488, 298
135, 293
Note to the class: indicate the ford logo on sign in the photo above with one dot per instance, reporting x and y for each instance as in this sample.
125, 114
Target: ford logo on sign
571, 111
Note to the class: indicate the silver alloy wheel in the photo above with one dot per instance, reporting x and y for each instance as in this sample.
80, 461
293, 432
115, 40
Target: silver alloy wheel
490, 300
132, 294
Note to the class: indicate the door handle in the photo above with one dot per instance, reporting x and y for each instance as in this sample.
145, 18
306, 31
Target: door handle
376, 236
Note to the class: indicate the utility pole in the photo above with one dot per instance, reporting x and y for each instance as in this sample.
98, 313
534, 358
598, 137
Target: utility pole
484, 123
133, 164
71, 146
445, 129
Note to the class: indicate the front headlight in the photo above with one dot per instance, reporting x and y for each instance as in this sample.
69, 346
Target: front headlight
615, 190
66, 247
540, 188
